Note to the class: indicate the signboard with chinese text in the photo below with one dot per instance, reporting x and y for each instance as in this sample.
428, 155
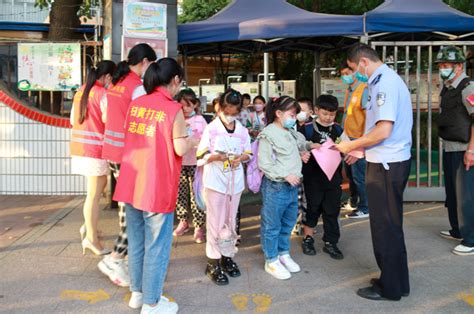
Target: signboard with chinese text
144, 19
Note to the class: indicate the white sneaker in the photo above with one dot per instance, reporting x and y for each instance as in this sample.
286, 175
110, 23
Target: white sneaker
277, 270
447, 235
289, 263
165, 306
463, 250
136, 300
116, 270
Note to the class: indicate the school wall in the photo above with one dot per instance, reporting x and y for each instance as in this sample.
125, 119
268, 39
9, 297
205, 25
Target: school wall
34, 152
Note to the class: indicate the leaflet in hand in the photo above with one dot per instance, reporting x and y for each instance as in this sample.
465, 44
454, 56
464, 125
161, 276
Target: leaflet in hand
327, 158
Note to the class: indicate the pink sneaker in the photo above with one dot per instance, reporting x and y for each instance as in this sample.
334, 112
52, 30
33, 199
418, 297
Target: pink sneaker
199, 235
181, 229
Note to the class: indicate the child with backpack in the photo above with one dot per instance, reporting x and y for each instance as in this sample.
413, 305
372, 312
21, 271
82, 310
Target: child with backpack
280, 160
224, 146
195, 125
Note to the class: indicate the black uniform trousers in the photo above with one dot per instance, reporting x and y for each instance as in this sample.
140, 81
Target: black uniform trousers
451, 163
385, 195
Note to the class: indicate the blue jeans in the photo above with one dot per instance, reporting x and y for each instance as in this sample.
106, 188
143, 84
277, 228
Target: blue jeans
358, 176
150, 236
278, 217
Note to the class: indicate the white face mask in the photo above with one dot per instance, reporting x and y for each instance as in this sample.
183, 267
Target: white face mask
302, 116
229, 119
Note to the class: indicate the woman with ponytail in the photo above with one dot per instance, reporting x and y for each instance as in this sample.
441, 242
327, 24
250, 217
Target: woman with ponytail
156, 138
126, 80
86, 148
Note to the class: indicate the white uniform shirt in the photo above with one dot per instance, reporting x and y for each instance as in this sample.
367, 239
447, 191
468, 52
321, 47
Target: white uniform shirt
389, 100
217, 175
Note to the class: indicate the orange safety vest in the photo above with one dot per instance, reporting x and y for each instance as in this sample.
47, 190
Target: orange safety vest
119, 97
150, 168
87, 138
354, 123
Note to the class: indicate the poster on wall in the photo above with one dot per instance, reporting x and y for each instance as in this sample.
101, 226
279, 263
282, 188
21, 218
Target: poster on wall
246, 88
144, 19
336, 88
212, 91
159, 45
49, 66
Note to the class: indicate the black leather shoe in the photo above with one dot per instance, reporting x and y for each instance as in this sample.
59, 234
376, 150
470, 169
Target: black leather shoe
308, 246
215, 273
375, 282
230, 267
333, 250
372, 294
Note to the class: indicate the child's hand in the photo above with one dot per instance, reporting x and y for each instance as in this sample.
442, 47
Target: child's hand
236, 161
218, 157
305, 156
350, 160
315, 146
292, 179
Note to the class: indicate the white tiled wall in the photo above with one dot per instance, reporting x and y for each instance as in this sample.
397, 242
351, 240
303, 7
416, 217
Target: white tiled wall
34, 157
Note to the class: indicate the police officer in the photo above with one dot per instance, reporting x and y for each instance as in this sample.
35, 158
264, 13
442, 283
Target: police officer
387, 140
456, 129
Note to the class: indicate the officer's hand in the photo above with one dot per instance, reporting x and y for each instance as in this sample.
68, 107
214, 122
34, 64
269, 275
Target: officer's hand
468, 159
344, 147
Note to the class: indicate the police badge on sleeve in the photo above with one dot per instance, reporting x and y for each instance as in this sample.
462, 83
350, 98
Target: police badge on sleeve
380, 99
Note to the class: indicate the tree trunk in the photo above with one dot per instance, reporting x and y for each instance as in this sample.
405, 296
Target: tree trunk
63, 19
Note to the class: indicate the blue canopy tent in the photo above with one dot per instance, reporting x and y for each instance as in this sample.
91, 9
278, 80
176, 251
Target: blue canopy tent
419, 16
264, 25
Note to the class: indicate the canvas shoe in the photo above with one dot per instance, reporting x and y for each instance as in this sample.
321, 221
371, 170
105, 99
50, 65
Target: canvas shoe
136, 300
277, 270
463, 250
199, 236
357, 214
164, 306
116, 270
448, 235
289, 263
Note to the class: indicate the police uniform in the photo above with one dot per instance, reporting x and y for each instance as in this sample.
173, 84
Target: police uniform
388, 168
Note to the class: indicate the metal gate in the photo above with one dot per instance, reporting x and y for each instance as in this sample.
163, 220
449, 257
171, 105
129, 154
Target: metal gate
414, 62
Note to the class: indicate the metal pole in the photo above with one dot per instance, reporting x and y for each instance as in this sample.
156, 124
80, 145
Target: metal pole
430, 70
395, 56
317, 76
418, 78
407, 66
265, 74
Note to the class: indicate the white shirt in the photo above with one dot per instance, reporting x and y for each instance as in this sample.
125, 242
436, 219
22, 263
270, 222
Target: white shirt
389, 100
217, 175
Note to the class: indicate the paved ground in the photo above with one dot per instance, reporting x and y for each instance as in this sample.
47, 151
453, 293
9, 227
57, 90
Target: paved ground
44, 271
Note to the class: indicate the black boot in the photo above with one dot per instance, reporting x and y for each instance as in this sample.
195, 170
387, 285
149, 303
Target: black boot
230, 267
215, 273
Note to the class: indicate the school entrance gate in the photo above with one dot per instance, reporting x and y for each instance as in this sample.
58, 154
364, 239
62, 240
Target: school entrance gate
414, 62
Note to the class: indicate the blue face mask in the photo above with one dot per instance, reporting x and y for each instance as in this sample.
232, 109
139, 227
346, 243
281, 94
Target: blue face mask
447, 74
347, 79
192, 114
289, 123
364, 78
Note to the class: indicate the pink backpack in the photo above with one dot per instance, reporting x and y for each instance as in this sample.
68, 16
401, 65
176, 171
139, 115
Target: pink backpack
254, 175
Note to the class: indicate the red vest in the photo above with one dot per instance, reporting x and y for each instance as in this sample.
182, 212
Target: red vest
150, 168
87, 138
119, 97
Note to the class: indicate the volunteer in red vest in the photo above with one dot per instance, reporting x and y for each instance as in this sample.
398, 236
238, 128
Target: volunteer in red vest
353, 123
126, 80
155, 140
86, 148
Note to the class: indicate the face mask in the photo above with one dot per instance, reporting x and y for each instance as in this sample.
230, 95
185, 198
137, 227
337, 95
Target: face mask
446, 74
192, 114
302, 116
364, 78
289, 123
229, 119
258, 107
347, 79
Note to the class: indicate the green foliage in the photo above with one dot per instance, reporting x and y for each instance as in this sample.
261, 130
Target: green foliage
83, 11
198, 10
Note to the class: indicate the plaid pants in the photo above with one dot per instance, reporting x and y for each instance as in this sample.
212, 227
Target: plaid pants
297, 230
121, 243
186, 198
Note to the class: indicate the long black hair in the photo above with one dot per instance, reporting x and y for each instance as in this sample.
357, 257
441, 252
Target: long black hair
135, 56
188, 95
283, 103
103, 68
160, 73
231, 97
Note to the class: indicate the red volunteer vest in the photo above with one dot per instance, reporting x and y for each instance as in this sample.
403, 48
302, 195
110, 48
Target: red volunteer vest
150, 168
119, 97
87, 138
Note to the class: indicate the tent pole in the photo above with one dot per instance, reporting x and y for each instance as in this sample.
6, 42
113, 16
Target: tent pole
316, 76
265, 74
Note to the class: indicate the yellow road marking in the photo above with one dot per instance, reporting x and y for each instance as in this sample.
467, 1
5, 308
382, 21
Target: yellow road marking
468, 298
240, 301
261, 301
90, 297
